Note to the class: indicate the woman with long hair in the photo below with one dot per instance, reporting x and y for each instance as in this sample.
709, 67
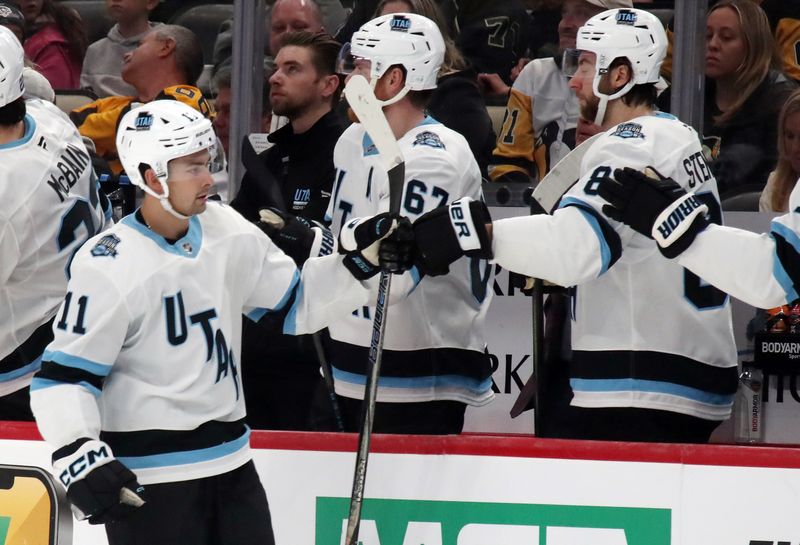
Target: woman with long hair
745, 90
56, 41
775, 197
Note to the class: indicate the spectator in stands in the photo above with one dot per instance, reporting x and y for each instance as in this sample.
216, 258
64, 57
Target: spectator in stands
494, 35
221, 85
284, 16
456, 102
775, 197
13, 19
293, 15
542, 111
784, 20
102, 66
166, 64
56, 41
281, 372
744, 94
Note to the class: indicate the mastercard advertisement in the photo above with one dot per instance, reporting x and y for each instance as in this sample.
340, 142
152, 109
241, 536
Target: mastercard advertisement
31, 509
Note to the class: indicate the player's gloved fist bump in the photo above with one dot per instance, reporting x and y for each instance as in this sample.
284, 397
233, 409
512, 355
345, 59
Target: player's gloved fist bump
396, 253
655, 206
100, 488
361, 241
297, 237
447, 233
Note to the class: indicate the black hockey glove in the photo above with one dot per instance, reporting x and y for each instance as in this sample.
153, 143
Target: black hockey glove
370, 244
655, 206
447, 233
100, 488
298, 237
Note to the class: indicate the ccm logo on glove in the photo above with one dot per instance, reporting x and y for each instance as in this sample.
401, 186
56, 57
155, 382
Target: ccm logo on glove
86, 462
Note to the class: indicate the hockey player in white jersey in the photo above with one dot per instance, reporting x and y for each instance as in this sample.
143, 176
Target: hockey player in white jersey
434, 361
141, 384
653, 350
762, 270
49, 205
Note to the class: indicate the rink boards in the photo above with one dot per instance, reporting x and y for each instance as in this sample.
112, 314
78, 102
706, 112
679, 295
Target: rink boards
500, 490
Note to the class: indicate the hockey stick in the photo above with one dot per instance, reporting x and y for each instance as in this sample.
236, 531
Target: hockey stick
271, 190
544, 199
363, 102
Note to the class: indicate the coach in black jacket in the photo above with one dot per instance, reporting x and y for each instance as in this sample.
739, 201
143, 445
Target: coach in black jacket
281, 372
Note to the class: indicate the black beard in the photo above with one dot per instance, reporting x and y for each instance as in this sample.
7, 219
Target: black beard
589, 109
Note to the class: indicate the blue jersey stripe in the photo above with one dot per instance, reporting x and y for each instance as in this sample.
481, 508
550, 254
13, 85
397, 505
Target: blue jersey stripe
67, 360
187, 457
650, 386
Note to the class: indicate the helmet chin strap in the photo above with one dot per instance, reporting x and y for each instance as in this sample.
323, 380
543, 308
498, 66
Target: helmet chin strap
399, 96
604, 99
163, 198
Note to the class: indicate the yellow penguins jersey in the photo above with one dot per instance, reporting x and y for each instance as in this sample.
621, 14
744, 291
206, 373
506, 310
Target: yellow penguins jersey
763, 270
147, 340
49, 206
434, 348
539, 123
646, 332
98, 120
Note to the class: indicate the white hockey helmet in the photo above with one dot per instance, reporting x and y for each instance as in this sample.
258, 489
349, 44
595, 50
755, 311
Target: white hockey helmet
634, 34
157, 132
12, 62
406, 39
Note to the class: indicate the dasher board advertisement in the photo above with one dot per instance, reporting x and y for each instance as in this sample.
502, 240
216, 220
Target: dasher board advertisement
501, 490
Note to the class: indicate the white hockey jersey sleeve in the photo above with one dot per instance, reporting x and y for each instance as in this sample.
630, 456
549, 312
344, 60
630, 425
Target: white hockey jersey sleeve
90, 328
323, 292
578, 242
763, 270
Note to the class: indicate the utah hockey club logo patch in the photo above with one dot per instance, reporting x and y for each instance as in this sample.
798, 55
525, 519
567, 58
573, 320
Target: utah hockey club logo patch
628, 130
144, 121
625, 17
400, 23
428, 138
106, 246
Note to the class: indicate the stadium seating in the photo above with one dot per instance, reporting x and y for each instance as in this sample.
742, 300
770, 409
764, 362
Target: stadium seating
744, 199
69, 99
204, 20
94, 15
496, 114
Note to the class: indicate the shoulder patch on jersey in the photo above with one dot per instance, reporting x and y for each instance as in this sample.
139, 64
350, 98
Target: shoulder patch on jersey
106, 246
427, 138
628, 130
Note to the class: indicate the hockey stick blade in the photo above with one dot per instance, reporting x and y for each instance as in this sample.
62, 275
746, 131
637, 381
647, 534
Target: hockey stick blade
370, 113
362, 100
562, 176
